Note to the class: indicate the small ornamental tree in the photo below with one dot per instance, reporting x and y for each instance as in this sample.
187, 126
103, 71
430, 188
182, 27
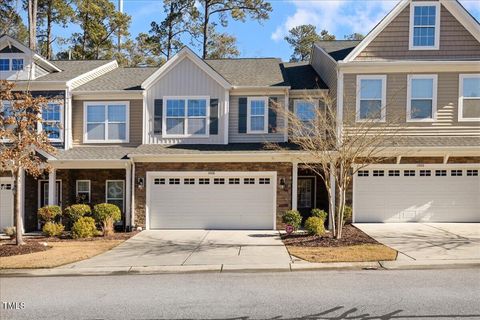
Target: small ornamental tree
107, 214
19, 122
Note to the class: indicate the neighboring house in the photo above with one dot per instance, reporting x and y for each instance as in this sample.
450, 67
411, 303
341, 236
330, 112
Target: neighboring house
182, 146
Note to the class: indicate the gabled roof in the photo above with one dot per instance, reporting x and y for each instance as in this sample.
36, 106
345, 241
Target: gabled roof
338, 49
70, 69
119, 79
301, 75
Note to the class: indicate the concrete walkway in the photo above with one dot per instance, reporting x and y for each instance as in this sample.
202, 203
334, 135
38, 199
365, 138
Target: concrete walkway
154, 248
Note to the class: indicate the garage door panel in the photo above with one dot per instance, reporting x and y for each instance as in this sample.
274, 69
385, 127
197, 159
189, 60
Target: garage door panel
6, 203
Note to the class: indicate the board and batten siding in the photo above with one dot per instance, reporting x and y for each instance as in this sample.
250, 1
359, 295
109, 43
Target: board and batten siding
456, 42
185, 79
396, 109
235, 137
136, 115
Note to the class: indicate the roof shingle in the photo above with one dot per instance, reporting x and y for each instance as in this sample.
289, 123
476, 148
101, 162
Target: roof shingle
72, 69
301, 75
119, 79
338, 49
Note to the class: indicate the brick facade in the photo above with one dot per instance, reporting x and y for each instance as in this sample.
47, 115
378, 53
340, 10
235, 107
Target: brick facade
284, 170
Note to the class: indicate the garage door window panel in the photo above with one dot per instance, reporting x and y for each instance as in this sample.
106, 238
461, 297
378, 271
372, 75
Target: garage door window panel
472, 173
469, 103
409, 173
422, 98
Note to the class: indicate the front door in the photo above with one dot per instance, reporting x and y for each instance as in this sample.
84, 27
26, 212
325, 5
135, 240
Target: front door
44, 193
306, 195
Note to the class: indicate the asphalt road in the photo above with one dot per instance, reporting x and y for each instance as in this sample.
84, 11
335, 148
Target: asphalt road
383, 295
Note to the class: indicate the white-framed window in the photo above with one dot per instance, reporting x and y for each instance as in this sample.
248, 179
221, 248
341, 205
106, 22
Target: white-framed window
469, 97
186, 116
424, 26
52, 121
371, 97
257, 114
305, 111
17, 64
106, 122
114, 193
4, 64
83, 191
422, 97
14, 64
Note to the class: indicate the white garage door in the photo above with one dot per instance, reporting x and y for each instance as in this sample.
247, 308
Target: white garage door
202, 200
413, 194
6, 203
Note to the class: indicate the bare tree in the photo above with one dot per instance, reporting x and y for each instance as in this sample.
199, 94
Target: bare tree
19, 122
334, 151
32, 24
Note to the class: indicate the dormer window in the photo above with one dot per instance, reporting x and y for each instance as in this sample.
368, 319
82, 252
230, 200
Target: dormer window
424, 26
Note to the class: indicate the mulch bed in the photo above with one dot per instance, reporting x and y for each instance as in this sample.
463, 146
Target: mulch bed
10, 249
351, 236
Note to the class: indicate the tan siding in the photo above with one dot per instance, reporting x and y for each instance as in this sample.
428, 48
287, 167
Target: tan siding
447, 105
456, 43
136, 118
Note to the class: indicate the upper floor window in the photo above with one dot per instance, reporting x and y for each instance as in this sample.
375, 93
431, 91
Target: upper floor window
52, 120
469, 101
371, 98
186, 117
424, 26
106, 122
257, 117
17, 64
4, 64
422, 97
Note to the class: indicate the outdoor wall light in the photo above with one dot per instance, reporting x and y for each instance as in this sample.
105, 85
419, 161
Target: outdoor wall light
140, 183
282, 183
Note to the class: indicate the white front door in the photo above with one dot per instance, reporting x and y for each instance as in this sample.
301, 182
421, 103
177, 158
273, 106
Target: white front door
202, 200
6, 203
433, 194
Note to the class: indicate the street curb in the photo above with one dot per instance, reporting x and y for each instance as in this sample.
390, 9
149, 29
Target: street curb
429, 264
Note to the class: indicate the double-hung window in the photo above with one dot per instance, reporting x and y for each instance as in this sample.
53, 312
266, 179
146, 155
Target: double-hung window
114, 194
52, 121
4, 64
469, 101
424, 26
106, 122
371, 98
17, 64
422, 97
306, 111
83, 191
186, 116
257, 115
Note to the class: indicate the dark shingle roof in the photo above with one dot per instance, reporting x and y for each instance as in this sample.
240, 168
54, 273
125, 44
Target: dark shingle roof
256, 72
301, 75
338, 49
94, 153
119, 79
72, 69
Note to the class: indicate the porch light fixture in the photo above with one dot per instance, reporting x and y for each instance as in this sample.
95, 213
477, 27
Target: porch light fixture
140, 183
282, 183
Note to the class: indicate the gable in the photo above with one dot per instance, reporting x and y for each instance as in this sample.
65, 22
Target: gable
10, 49
392, 43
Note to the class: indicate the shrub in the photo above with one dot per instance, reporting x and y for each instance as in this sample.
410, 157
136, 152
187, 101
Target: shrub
10, 231
76, 211
293, 218
347, 215
52, 229
315, 226
319, 214
49, 213
84, 227
107, 214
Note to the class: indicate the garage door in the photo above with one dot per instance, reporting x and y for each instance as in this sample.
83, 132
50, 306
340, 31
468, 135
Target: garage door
202, 200
413, 194
6, 203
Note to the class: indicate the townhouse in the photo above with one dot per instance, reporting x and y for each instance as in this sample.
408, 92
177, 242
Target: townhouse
183, 145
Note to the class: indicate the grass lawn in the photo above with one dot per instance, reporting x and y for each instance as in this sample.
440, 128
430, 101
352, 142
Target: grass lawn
354, 253
58, 254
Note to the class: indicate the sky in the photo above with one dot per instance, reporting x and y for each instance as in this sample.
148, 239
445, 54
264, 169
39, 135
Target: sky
266, 39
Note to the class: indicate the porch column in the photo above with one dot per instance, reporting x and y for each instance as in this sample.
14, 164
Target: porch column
128, 194
21, 189
52, 188
294, 185
333, 191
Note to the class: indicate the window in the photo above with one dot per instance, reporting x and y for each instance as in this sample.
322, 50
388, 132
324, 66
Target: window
362, 173
469, 101
204, 181
394, 173
422, 97
189, 181
249, 181
409, 173
425, 173
159, 181
264, 181
186, 117
257, 119
456, 173
472, 173
83, 191
4, 64
305, 111
17, 64
378, 173
219, 181
424, 26
371, 98
234, 181
174, 181
440, 173
52, 121
115, 192
106, 121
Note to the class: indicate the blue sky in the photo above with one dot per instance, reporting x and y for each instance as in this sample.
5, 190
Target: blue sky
340, 17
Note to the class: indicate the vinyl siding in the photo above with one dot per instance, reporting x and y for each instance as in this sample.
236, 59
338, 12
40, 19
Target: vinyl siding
326, 68
456, 43
136, 115
186, 79
396, 110
235, 137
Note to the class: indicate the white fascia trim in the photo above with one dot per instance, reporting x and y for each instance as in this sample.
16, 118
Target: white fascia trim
219, 157
411, 26
182, 54
72, 83
383, 112
377, 30
225, 117
410, 66
462, 77
462, 15
89, 164
279, 88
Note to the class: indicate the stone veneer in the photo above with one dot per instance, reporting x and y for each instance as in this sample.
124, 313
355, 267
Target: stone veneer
284, 170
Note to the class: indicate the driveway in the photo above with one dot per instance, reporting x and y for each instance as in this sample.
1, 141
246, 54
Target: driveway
428, 241
193, 247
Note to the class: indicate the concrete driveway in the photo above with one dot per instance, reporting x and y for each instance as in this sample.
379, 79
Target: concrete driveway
428, 241
193, 247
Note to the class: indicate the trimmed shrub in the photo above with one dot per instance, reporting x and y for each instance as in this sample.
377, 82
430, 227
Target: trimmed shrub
107, 214
347, 215
10, 231
52, 229
293, 218
76, 211
84, 228
49, 213
319, 214
315, 226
